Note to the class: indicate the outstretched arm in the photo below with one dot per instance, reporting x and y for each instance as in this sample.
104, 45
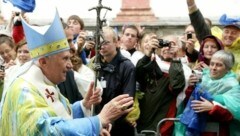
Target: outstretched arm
198, 21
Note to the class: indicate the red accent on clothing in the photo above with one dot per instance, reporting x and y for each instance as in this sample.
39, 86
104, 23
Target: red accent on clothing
92, 53
167, 127
49, 95
220, 114
165, 74
188, 93
18, 34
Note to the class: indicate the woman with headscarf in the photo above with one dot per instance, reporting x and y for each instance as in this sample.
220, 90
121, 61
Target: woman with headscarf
209, 46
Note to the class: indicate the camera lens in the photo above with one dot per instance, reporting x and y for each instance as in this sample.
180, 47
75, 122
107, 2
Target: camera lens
17, 13
163, 43
189, 35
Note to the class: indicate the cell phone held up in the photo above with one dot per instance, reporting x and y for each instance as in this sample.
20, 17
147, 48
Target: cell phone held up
198, 74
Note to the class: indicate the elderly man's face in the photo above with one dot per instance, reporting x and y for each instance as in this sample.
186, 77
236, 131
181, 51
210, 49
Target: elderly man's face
56, 67
168, 53
229, 35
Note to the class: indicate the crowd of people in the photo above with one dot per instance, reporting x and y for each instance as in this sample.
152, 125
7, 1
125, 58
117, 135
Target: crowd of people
54, 82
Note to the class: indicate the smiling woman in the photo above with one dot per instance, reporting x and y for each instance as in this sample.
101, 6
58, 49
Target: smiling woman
217, 101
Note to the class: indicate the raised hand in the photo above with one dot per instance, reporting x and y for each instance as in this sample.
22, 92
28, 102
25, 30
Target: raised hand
114, 109
92, 97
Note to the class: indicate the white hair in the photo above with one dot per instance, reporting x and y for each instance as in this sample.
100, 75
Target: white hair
227, 58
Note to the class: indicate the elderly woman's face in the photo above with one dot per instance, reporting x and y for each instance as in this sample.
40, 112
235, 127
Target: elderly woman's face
217, 68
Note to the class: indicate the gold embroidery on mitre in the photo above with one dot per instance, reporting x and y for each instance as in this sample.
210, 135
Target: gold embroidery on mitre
48, 48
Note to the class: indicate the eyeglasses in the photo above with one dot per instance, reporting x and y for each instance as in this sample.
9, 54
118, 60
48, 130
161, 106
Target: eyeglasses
105, 43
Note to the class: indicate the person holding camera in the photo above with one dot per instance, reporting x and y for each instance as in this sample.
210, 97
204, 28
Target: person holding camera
76, 24
229, 36
191, 42
33, 104
89, 46
142, 47
161, 78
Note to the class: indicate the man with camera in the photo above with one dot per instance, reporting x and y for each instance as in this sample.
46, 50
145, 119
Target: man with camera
161, 78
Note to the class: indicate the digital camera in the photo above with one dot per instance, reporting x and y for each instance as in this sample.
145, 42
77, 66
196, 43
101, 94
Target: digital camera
2, 67
163, 43
17, 13
189, 35
89, 38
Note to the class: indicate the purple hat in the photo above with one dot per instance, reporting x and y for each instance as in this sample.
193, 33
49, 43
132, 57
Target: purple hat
201, 54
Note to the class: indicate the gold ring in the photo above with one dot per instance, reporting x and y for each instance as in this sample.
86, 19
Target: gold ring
123, 108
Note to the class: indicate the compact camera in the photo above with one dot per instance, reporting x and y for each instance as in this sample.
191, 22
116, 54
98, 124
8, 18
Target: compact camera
189, 35
89, 38
17, 13
2, 67
163, 43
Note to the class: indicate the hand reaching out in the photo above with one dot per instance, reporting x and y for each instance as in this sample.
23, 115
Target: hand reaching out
114, 109
106, 131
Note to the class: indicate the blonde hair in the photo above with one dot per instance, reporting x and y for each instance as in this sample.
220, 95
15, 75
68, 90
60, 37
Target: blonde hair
109, 31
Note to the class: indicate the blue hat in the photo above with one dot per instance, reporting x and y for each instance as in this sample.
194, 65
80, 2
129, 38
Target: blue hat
229, 22
45, 40
236, 25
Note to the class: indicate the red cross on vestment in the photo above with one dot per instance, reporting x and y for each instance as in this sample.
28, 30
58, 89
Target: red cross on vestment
49, 94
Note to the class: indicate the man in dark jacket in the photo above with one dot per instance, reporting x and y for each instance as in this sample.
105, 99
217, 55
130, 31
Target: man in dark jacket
117, 76
161, 79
